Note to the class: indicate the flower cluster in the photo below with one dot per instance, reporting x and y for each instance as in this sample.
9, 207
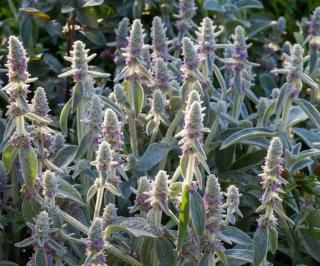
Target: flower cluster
95, 244
111, 130
141, 202
159, 40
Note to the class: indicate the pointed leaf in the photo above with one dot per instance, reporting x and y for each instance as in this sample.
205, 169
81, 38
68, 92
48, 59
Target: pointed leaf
260, 246
184, 217
29, 165
64, 117
197, 211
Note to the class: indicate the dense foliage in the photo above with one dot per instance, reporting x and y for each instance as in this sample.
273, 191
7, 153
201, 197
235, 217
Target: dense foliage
184, 133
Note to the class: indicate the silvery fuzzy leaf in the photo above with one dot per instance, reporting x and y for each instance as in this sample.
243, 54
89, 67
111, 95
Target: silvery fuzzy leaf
86, 141
30, 209
247, 133
242, 255
222, 257
10, 126
197, 213
279, 210
65, 156
206, 259
152, 156
213, 5
24, 243
273, 239
77, 96
60, 250
268, 113
296, 115
36, 118
41, 258
151, 127
309, 81
29, 165
66, 190
283, 97
237, 236
91, 192
64, 117
245, 4
310, 110
138, 97
311, 138
165, 252
295, 167
114, 107
114, 190
260, 246
136, 226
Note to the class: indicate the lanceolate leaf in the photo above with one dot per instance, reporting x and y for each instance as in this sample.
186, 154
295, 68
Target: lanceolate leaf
245, 134
65, 156
260, 246
29, 165
64, 117
165, 252
310, 110
137, 226
8, 156
237, 236
197, 212
184, 217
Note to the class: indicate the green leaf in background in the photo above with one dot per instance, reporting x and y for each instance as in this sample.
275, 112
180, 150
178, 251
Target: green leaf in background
273, 239
138, 96
151, 157
249, 160
65, 156
245, 134
310, 110
30, 209
237, 236
165, 252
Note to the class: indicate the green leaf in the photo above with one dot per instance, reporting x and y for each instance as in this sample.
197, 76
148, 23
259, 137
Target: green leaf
212, 5
86, 141
165, 253
136, 226
260, 246
7, 263
41, 258
147, 251
86, 17
249, 160
151, 157
65, 156
273, 239
138, 96
245, 134
268, 113
184, 165
113, 106
59, 249
244, 255
66, 190
310, 110
30, 209
87, 3
282, 97
244, 4
310, 243
64, 117
8, 156
77, 96
237, 236
29, 165
198, 215
25, 243
223, 158
184, 217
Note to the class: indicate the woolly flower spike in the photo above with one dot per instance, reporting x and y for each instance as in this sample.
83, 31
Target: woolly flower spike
159, 192
135, 46
232, 204
213, 204
103, 161
159, 39
240, 53
79, 64
193, 96
120, 95
271, 182
42, 229
50, 186
278, 29
161, 75
95, 243
17, 61
40, 104
206, 38
187, 11
191, 57
111, 130
158, 102
293, 69
193, 127
109, 215
273, 165
95, 115
122, 33
314, 23
141, 202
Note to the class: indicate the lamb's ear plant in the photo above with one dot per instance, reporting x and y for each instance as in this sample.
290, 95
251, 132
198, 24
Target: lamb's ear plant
161, 164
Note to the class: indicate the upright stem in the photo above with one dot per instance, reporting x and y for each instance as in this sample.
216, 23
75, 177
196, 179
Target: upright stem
238, 99
99, 199
132, 122
80, 111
